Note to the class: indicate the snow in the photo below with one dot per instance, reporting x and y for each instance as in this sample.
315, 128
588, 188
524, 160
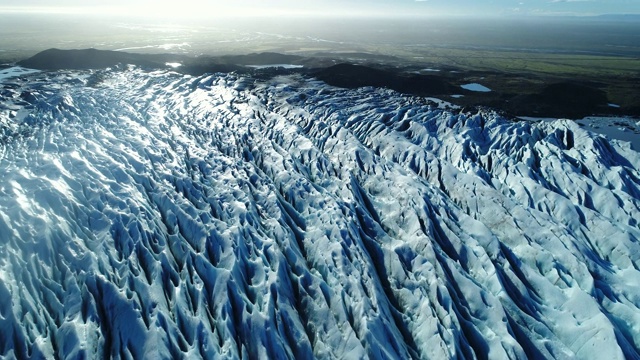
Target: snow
159, 215
619, 128
14, 71
475, 87
441, 104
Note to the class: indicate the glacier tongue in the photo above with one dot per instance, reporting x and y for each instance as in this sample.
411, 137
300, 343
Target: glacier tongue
156, 215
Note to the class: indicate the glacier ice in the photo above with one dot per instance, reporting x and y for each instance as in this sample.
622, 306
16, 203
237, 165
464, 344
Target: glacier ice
158, 215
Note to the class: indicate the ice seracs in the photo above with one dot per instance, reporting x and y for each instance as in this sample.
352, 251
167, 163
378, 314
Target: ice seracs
152, 214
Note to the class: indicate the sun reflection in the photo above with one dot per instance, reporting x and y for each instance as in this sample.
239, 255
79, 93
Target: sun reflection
186, 9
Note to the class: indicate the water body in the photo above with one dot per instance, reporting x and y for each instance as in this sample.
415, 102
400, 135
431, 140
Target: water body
475, 87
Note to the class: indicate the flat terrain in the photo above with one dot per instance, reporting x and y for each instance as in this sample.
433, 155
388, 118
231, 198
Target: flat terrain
510, 73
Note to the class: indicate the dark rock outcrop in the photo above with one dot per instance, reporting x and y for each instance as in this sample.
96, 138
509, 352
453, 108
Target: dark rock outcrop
353, 76
56, 59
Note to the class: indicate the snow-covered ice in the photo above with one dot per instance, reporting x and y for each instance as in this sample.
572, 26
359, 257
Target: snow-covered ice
14, 71
157, 215
626, 129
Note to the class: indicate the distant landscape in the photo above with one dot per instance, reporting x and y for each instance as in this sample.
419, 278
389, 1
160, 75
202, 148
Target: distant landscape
546, 67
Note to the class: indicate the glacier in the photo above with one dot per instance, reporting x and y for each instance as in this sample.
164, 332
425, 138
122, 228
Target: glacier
150, 214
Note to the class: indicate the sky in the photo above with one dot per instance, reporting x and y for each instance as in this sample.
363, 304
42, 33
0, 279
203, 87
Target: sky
201, 8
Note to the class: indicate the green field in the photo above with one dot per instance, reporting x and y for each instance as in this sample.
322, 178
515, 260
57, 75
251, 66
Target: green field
544, 64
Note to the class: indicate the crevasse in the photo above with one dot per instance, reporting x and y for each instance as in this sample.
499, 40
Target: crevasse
157, 215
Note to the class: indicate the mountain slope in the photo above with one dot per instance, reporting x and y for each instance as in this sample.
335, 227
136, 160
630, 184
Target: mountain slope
162, 215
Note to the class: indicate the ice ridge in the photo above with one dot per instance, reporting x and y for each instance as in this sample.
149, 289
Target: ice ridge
159, 215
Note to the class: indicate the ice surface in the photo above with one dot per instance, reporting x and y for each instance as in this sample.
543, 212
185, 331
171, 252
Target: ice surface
14, 71
156, 215
619, 128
